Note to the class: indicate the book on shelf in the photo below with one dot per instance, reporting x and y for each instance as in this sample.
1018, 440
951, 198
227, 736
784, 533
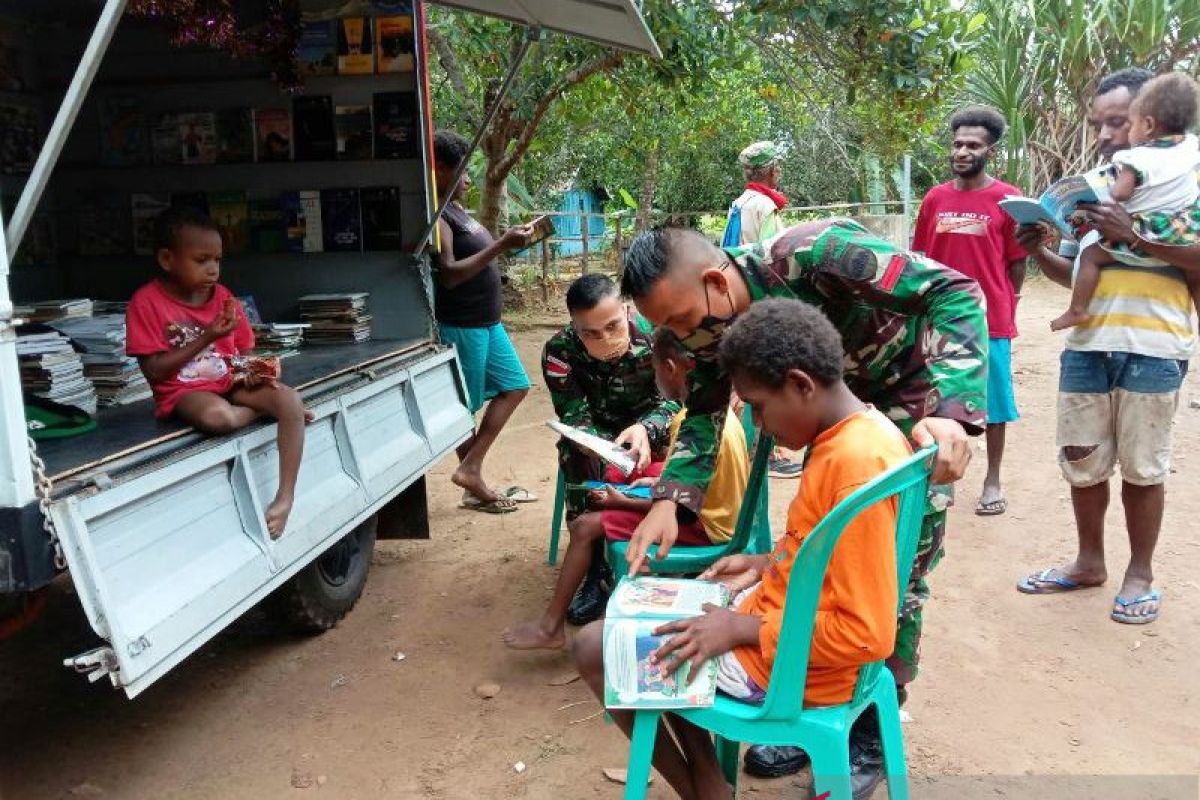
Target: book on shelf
341, 219
313, 241
355, 50
392, 7
353, 126
317, 52
381, 217
272, 134
198, 137
313, 134
235, 135
396, 125
268, 231
164, 139
124, 135
20, 136
294, 223
145, 209
395, 45
231, 213
15, 66
196, 201
639, 606
101, 227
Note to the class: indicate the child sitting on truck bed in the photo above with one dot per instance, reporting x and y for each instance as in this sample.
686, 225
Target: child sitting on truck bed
188, 333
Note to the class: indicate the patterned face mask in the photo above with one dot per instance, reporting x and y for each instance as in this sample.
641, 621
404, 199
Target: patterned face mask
610, 348
709, 329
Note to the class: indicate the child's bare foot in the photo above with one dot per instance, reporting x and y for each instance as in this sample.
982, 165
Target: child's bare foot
471, 480
1068, 320
309, 416
277, 516
532, 636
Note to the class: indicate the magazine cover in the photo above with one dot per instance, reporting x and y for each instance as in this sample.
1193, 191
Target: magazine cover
1059, 204
198, 137
164, 139
317, 53
394, 44
268, 232
294, 223
231, 213
353, 126
396, 125
123, 132
381, 217
145, 209
310, 202
618, 456
341, 220
355, 54
235, 135
273, 134
638, 607
313, 135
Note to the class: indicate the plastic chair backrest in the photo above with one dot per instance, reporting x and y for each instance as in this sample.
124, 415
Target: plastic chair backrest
909, 481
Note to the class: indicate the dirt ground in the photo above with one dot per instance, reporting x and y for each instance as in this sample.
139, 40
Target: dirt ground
1017, 694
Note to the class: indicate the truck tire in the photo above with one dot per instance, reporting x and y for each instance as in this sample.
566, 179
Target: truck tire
323, 592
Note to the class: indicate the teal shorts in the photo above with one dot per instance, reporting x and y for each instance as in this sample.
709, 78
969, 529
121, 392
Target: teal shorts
489, 362
1002, 405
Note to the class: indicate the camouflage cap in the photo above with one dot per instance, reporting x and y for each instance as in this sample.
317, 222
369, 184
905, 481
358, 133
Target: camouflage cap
759, 154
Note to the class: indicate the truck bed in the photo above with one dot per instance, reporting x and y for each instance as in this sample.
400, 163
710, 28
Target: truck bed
125, 431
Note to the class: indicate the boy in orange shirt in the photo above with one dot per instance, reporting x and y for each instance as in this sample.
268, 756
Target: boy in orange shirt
785, 360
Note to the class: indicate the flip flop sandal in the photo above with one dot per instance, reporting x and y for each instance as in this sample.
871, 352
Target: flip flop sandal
991, 509
517, 494
1050, 581
498, 506
1154, 596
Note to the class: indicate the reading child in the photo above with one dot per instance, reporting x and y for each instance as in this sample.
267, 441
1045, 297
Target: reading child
1154, 180
191, 337
785, 360
619, 515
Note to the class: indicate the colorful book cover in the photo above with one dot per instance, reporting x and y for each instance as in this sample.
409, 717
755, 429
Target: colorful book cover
317, 53
396, 125
164, 139
20, 139
124, 136
392, 6
235, 135
197, 201
353, 126
273, 134
198, 137
341, 219
231, 213
145, 209
355, 54
381, 217
294, 223
310, 202
312, 119
394, 44
268, 232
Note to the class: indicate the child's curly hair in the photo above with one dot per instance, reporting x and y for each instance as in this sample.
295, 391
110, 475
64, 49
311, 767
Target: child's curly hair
1172, 99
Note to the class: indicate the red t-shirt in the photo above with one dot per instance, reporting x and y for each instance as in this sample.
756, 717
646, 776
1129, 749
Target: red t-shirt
158, 322
969, 233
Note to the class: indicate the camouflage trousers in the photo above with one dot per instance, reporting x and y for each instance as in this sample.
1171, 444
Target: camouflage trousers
907, 655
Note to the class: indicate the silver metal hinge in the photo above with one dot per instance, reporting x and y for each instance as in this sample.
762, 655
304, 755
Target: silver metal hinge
95, 664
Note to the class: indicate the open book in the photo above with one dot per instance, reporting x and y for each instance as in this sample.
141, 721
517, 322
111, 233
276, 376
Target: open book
1058, 203
638, 606
636, 492
618, 456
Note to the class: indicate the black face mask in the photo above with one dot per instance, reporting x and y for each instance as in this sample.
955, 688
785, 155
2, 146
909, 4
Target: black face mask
710, 328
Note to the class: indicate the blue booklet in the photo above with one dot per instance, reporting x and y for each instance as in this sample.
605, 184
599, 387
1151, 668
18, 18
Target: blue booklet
639, 492
1060, 202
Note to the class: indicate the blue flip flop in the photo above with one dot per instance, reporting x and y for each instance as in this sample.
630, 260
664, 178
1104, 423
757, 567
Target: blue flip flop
1155, 596
1050, 581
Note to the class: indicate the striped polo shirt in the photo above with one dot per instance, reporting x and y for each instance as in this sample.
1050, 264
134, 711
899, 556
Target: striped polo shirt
1142, 310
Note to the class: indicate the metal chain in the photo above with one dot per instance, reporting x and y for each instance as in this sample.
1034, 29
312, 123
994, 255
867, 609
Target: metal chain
425, 273
43, 487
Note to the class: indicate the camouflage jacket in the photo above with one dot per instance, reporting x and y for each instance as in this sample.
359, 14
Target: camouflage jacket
914, 332
602, 397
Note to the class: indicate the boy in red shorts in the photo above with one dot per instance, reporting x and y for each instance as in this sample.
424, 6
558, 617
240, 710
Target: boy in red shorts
190, 335
619, 515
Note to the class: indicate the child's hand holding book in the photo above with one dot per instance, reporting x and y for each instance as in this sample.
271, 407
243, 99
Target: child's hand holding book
697, 639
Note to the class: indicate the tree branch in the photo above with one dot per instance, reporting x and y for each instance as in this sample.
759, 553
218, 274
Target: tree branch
449, 63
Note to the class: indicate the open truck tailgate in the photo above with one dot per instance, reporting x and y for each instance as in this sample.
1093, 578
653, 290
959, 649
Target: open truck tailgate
164, 558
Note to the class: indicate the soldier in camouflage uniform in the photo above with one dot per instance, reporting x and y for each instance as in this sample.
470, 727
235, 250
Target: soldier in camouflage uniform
915, 336
601, 380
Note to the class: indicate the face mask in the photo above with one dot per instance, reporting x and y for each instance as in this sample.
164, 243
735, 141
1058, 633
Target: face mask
708, 331
610, 348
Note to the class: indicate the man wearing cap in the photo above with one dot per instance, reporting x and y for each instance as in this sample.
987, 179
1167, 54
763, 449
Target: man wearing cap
753, 217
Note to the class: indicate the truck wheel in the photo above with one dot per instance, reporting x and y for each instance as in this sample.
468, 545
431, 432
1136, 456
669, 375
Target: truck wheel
322, 593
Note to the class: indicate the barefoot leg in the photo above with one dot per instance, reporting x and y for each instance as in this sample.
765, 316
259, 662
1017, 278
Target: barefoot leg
284, 404
212, 414
1087, 277
471, 453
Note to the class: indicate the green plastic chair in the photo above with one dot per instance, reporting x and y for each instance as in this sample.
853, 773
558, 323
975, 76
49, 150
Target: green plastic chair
823, 732
751, 534
556, 516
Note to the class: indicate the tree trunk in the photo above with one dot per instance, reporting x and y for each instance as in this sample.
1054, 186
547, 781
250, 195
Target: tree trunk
490, 201
646, 195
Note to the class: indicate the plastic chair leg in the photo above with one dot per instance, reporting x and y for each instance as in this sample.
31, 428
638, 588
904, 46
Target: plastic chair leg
831, 765
894, 762
556, 518
728, 752
641, 753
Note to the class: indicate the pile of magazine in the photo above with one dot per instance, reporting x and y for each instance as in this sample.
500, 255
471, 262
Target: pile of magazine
51, 368
339, 318
278, 339
116, 376
53, 310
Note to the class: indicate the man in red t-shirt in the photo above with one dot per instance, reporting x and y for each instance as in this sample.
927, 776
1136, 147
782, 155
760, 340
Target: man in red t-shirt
960, 224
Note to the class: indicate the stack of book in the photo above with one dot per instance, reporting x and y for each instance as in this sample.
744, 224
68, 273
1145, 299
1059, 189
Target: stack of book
339, 318
51, 368
278, 339
116, 376
54, 310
